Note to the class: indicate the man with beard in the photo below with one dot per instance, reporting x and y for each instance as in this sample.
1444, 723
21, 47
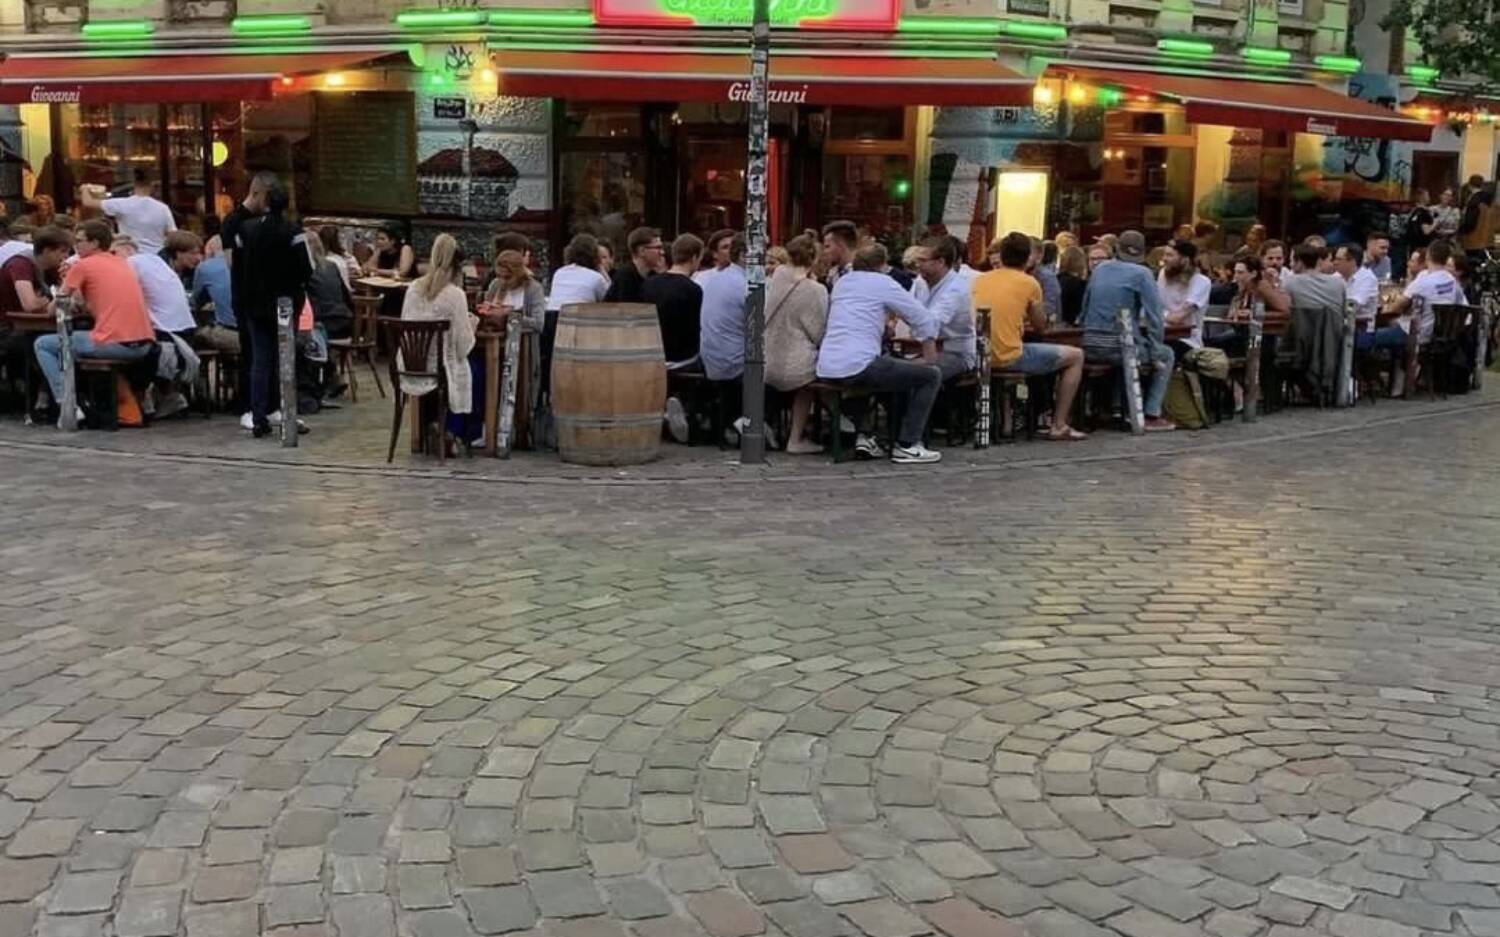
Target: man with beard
1184, 293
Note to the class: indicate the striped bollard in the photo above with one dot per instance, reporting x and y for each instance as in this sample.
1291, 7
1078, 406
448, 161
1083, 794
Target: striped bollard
67, 407
1130, 362
1252, 362
286, 337
1344, 391
984, 417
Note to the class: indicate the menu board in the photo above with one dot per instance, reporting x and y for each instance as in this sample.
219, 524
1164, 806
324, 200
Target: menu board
365, 152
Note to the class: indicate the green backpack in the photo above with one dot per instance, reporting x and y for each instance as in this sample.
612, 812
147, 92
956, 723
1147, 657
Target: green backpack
1184, 403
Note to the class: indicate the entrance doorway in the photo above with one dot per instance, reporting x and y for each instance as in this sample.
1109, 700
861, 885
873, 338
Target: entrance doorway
1021, 203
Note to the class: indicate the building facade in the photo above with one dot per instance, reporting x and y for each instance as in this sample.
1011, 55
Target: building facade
556, 117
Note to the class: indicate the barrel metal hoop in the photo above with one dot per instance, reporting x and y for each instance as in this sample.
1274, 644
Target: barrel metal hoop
607, 354
605, 421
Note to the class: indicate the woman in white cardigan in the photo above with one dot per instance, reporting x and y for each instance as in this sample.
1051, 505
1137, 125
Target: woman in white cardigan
437, 296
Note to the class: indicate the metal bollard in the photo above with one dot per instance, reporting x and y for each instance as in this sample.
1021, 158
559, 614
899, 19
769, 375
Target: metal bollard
286, 341
1252, 362
1130, 361
1344, 390
1482, 340
984, 417
67, 416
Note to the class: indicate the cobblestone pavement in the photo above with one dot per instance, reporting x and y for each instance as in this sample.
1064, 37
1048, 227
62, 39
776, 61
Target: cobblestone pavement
1239, 692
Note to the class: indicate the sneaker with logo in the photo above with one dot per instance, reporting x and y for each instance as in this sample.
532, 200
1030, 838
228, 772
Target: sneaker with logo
915, 455
866, 447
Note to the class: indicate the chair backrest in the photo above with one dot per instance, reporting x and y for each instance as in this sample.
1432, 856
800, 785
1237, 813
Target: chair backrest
418, 347
366, 312
1451, 320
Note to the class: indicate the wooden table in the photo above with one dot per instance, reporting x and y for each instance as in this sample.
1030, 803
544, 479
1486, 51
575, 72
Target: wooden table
1072, 335
383, 283
32, 321
492, 340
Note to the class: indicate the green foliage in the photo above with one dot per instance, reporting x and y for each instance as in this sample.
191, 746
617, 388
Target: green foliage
1461, 38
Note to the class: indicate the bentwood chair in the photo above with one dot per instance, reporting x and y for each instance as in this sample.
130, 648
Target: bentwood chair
360, 344
417, 352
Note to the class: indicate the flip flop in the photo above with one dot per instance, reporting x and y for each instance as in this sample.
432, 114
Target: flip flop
1068, 435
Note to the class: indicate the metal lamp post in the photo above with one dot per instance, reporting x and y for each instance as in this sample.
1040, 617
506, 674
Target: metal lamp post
753, 382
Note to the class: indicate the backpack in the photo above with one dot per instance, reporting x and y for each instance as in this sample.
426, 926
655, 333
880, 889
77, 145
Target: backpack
1184, 403
1208, 362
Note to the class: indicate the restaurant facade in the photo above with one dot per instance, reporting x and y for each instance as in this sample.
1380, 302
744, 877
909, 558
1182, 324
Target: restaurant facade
556, 119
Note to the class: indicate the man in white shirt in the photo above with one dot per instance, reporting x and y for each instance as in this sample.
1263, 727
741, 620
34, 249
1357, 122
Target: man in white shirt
839, 239
857, 310
721, 323
161, 283
1434, 286
579, 280
1184, 292
950, 301
139, 216
1364, 292
719, 250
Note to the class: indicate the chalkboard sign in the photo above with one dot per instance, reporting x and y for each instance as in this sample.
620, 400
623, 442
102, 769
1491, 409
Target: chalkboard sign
450, 108
365, 152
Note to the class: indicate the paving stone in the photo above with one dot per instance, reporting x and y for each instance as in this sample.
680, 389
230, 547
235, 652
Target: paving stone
884, 918
294, 904
565, 894
500, 910
1086, 900
422, 887
1306, 889
845, 887
83, 892
1387, 815
634, 899
911, 881
1347, 924
153, 913
807, 917
726, 914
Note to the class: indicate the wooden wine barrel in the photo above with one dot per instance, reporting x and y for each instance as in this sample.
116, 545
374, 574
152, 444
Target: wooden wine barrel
609, 383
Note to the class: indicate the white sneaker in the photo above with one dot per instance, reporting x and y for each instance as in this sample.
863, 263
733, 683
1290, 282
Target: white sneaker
915, 455
247, 421
677, 422
78, 421
865, 447
274, 418
846, 426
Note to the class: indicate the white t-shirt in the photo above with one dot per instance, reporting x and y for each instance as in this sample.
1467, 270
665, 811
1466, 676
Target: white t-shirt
145, 220
1177, 295
165, 297
13, 248
575, 284
1436, 287
703, 276
1364, 291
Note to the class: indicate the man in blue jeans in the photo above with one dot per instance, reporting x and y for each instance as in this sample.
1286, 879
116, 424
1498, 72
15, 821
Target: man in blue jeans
857, 310
109, 291
1125, 283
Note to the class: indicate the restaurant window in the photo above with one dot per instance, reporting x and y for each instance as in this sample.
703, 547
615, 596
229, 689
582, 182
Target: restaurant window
602, 170
868, 171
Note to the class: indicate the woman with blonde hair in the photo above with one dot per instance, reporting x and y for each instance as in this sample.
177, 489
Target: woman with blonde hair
516, 294
437, 296
796, 317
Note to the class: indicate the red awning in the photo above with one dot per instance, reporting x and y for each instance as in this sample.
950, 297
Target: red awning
871, 81
152, 79
1269, 105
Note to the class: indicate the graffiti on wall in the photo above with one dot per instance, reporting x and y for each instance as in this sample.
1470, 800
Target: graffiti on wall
1365, 168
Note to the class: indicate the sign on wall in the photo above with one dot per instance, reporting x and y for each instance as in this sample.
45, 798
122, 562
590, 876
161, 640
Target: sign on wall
881, 15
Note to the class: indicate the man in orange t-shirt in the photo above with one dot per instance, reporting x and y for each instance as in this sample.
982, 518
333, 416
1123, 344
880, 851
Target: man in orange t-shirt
111, 293
1014, 298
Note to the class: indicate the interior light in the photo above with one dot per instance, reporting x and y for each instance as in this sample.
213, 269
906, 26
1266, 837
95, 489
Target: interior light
220, 153
487, 76
286, 81
1078, 94
334, 79
1041, 96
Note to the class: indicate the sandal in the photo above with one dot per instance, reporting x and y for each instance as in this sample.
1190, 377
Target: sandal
1068, 434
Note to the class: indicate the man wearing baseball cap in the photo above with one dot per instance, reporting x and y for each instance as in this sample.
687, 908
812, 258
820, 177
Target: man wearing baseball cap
1125, 283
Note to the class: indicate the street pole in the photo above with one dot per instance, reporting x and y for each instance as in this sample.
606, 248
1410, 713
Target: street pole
753, 440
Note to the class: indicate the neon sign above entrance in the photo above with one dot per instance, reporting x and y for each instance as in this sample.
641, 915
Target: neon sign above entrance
876, 15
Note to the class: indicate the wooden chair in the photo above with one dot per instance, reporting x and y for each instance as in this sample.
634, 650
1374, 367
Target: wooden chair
95, 379
1451, 325
414, 345
361, 343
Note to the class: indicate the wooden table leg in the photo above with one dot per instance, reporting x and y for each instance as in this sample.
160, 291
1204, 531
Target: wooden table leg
491, 394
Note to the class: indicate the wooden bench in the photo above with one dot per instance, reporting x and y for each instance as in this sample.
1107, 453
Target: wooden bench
95, 381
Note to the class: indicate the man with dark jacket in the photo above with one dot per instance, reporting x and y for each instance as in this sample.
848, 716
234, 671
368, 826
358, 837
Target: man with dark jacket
646, 259
274, 263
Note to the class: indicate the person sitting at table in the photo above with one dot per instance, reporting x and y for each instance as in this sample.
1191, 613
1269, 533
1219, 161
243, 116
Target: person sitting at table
606, 264
1364, 291
23, 289
393, 257
1184, 293
1126, 284
646, 258
437, 296
861, 300
951, 302
1099, 251
796, 319
171, 314
1308, 286
1072, 279
1435, 286
1015, 302
108, 290
212, 285
333, 249
518, 294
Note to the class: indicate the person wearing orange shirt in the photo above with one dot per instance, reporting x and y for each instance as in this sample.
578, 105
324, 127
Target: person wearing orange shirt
1014, 299
109, 291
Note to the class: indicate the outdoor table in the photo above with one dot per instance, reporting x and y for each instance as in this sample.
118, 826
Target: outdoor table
492, 340
1073, 335
32, 323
